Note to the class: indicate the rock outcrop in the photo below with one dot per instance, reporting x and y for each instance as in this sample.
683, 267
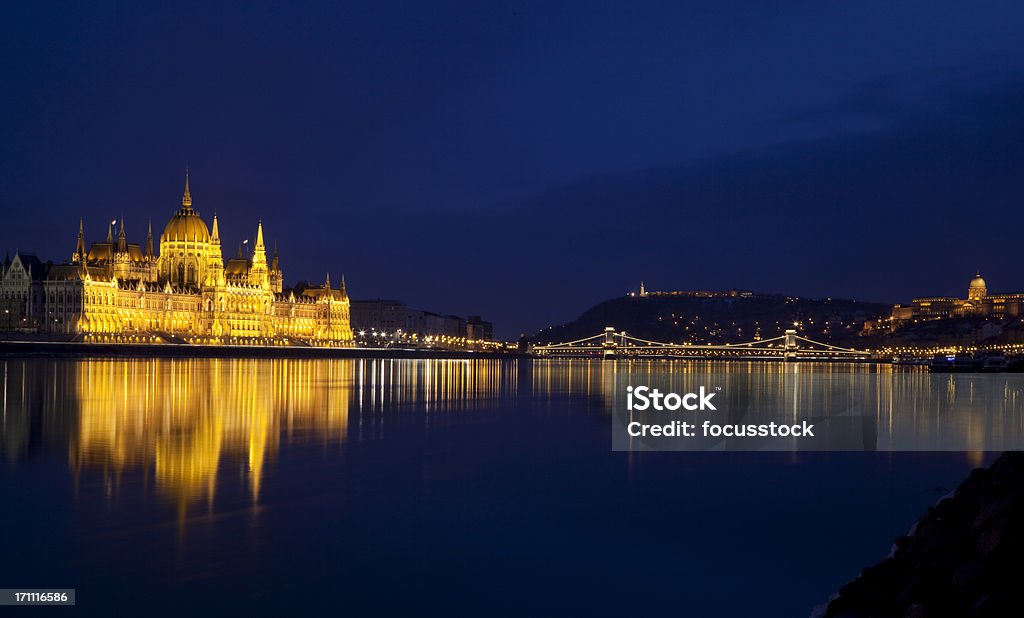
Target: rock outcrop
965, 557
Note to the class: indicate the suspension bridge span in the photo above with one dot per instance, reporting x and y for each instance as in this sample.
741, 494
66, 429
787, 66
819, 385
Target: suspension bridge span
611, 344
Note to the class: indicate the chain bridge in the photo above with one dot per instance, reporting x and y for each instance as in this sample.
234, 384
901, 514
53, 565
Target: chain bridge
611, 344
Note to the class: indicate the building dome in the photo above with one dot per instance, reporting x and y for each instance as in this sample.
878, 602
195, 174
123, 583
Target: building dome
978, 290
186, 247
186, 225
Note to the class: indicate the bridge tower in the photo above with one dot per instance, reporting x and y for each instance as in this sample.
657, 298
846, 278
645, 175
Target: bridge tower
609, 344
791, 345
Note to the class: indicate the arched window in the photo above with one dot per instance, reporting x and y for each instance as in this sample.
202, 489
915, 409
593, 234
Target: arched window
181, 273
191, 274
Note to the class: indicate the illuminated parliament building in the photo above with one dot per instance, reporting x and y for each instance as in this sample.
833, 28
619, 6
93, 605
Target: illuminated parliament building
121, 291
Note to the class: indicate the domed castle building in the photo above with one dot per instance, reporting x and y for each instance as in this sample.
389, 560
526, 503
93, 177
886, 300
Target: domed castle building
187, 291
977, 290
978, 303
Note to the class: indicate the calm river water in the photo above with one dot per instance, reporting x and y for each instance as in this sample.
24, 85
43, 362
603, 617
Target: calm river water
395, 487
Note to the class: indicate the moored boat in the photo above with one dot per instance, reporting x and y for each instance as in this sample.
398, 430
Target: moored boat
963, 361
992, 362
909, 360
941, 363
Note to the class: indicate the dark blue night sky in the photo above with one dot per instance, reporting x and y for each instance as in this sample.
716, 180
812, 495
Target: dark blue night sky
525, 160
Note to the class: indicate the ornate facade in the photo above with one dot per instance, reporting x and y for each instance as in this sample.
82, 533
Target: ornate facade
121, 291
979, 303
21, 291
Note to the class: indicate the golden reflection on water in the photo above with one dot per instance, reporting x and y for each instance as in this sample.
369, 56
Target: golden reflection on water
185, 420
184, 417
183, 424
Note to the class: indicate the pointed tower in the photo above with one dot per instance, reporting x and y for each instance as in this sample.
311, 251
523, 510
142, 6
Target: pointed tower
258, 271
122, 242
110, 233
276, 276
186, 198
215, 259
152, 271
259, 239
327, 284
344, 291
122, 268
80, 247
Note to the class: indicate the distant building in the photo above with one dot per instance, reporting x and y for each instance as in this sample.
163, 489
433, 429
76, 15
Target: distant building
645, 293
21, 291
444, 325
979, 303
478, 329
390, 316
385, 315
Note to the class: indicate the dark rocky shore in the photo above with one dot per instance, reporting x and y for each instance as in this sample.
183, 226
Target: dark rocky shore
964, 557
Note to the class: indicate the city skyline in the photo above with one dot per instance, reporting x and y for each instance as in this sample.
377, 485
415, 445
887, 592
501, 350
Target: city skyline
566, 151
116, 234
118, 258
244, 254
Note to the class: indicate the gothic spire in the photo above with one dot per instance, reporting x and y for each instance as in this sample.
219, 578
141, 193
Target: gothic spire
122, 242
149, 240
80, 247
259, 237
186, 199
215, 235
110, 233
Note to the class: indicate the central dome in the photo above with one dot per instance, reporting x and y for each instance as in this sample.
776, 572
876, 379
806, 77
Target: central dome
187, 226
977, 282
